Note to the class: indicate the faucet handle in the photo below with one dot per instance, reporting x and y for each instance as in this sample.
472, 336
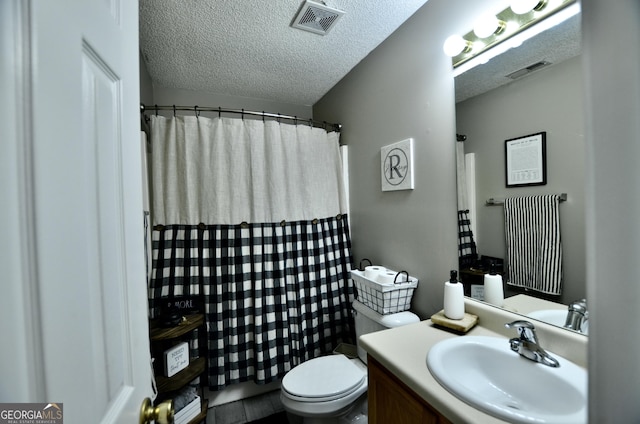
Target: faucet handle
526, 330
579, 306
520, 324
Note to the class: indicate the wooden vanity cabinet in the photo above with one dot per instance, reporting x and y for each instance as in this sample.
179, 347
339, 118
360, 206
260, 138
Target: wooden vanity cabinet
392, 401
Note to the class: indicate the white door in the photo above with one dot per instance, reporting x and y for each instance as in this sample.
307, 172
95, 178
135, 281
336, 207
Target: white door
74, 275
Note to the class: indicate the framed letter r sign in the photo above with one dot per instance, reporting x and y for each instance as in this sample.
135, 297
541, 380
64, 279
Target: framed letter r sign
397, 165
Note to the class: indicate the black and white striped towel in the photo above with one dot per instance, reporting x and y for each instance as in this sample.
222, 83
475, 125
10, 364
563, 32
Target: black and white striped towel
534, 249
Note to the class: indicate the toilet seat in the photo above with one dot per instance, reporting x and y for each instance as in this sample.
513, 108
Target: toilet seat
323, 379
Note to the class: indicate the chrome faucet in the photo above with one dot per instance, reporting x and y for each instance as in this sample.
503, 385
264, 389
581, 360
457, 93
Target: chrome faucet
577, 315
527, 344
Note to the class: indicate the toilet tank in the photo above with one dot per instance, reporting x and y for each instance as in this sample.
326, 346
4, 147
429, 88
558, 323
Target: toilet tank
368, 321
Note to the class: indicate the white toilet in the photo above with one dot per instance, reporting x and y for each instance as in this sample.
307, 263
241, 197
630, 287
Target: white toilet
332, 389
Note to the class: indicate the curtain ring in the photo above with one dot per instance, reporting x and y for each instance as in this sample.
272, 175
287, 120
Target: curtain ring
195, 110
219, 112
283, 223
325, 125
315, 221
174, 111
156, 110
242, 115
295, 120
310, 123
263, 116
278, 117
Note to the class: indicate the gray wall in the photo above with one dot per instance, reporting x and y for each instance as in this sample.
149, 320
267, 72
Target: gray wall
403, 89
612, 88
549, 100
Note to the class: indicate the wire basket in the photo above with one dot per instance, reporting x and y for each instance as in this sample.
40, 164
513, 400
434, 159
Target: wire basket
385, 298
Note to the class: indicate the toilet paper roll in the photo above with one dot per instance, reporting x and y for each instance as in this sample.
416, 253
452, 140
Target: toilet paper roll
372, 272
386, 277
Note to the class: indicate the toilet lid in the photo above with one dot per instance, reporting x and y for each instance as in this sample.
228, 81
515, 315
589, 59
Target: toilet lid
324, 378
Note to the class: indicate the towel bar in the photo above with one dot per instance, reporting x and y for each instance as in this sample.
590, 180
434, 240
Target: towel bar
495, 202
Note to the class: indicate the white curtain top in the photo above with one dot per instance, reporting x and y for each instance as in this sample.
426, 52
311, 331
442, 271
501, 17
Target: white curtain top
228, 171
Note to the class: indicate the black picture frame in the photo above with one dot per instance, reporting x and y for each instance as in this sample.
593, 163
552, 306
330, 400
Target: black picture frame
526, 160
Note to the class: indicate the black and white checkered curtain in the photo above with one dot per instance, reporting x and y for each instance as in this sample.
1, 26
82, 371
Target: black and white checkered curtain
275, 289
275, 294
467, 252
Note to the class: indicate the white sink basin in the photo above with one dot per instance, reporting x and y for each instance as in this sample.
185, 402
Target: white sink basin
555, 317
485, 373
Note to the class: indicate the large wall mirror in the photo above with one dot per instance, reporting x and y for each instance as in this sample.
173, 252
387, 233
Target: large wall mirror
537, 87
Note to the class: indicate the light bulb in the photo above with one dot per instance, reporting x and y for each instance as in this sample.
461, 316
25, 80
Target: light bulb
520, 7
454, 45
486, 26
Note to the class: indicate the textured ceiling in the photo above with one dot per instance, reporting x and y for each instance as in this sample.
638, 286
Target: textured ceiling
248, 48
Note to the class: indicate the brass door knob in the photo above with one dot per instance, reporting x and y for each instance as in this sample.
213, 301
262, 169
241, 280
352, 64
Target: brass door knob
161, 414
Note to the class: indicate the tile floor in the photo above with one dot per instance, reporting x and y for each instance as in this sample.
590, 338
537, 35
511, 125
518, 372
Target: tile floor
246, 410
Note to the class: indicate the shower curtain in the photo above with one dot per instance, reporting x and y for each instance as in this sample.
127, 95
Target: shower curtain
467, 252
250, 216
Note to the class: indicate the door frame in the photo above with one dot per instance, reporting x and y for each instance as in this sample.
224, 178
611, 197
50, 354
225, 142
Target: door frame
21, 360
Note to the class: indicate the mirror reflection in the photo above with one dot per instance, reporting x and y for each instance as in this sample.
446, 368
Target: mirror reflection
534, 88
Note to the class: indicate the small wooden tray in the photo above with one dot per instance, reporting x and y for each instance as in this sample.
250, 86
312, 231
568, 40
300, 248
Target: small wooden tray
462, 325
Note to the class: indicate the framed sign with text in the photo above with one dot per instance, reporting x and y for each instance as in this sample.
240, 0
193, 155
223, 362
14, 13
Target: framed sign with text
525, 160
397, 165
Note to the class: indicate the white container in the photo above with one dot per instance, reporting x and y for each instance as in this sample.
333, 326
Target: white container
383, 298
453, 298
493, 289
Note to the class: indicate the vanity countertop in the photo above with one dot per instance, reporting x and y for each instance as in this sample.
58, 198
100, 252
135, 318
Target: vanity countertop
524, 304
403, 351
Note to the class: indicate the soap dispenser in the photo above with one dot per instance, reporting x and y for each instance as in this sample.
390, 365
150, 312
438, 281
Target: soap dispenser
493, 289
453, 297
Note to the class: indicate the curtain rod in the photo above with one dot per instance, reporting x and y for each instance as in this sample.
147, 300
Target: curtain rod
495, 202
197, 109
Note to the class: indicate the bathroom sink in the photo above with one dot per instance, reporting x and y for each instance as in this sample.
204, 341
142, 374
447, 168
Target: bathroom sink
555, 317
485, 373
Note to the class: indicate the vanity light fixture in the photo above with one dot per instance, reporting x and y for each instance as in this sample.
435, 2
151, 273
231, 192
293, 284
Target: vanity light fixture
522, 20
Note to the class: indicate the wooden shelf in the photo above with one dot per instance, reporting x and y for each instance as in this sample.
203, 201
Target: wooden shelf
181, 379
191, 322
162, 337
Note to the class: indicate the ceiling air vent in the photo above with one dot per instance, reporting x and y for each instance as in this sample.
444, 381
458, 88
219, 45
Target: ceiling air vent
316, 17
531, 68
